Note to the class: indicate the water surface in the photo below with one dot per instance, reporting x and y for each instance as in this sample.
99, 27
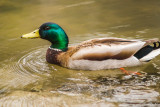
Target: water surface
26, 79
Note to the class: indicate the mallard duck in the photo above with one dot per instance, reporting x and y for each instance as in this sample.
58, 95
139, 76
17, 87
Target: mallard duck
94, 54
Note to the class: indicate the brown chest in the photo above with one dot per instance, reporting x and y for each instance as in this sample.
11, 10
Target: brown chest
51, 56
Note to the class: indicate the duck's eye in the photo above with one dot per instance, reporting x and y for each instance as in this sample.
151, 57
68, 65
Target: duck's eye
47, 28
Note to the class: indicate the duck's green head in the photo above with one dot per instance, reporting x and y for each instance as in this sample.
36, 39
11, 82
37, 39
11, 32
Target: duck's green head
51, 32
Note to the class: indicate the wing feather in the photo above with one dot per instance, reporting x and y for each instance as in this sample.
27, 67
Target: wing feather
102, 49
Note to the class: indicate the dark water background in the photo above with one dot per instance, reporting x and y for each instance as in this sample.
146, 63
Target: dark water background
26, 79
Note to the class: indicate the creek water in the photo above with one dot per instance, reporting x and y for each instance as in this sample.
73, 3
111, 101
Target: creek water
26, 79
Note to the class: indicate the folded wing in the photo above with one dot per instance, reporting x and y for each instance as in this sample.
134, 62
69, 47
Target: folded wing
103, 49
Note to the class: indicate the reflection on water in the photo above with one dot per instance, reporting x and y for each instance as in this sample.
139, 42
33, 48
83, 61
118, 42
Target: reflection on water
26, 79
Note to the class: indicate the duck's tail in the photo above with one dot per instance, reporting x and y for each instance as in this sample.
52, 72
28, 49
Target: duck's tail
149, 52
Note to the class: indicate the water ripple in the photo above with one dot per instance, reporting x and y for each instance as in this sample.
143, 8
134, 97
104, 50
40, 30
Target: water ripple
29, 69
35, 62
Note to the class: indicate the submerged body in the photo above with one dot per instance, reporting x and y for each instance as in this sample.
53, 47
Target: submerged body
95, 54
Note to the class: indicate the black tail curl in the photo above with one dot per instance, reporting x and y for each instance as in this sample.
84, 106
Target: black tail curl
155, 45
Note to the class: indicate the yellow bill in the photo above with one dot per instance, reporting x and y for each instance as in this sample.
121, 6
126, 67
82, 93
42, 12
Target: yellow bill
34, 34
